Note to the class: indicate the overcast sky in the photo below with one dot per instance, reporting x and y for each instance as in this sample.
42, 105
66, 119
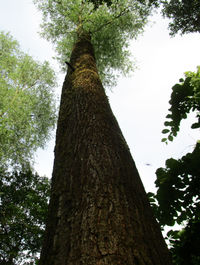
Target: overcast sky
140, 103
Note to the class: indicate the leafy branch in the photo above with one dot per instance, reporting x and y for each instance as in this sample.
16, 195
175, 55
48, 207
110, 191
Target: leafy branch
185, 98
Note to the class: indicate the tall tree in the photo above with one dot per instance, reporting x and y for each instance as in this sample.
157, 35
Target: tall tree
27, 103
99, 212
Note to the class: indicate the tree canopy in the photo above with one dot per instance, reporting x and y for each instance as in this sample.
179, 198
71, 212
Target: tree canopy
23, 209
111, 24
27, 103
183, 14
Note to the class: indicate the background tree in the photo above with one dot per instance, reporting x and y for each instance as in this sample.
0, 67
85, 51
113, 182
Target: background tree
181, 178
99, 212
23, 208
27, 103
184, 15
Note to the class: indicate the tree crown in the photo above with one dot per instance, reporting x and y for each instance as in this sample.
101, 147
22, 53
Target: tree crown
184, 15
27, 108
111, 25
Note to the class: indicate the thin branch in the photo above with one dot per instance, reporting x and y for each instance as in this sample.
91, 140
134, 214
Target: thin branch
110, 21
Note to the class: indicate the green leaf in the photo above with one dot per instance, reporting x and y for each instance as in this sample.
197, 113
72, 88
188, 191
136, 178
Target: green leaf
168, 123
165, 131
195, 125
170, 138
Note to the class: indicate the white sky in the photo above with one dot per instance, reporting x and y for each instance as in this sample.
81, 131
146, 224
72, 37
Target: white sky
140, 103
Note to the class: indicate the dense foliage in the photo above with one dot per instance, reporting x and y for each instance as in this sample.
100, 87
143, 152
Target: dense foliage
185, 244
185, 98
23, 209
181, 180
97, 3
27, 103
184, 15
111, 24
177, 200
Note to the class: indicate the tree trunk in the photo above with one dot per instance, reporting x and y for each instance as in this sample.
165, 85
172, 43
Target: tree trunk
99, 212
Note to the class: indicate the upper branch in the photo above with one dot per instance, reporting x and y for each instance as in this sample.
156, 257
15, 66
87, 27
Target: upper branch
123, 12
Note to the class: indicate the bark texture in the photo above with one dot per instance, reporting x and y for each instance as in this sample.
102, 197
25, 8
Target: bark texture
99, 213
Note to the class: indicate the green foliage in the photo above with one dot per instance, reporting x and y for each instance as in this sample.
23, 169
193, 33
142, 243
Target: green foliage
27, 103
185, 15
23, 209
178, 189
177, 200
186, 244
97, 3
185, 98
111, 24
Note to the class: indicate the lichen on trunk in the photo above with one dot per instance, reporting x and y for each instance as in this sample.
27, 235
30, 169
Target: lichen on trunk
99, 212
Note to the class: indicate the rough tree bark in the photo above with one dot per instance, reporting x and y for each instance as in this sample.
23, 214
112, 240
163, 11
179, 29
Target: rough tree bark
99, 212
